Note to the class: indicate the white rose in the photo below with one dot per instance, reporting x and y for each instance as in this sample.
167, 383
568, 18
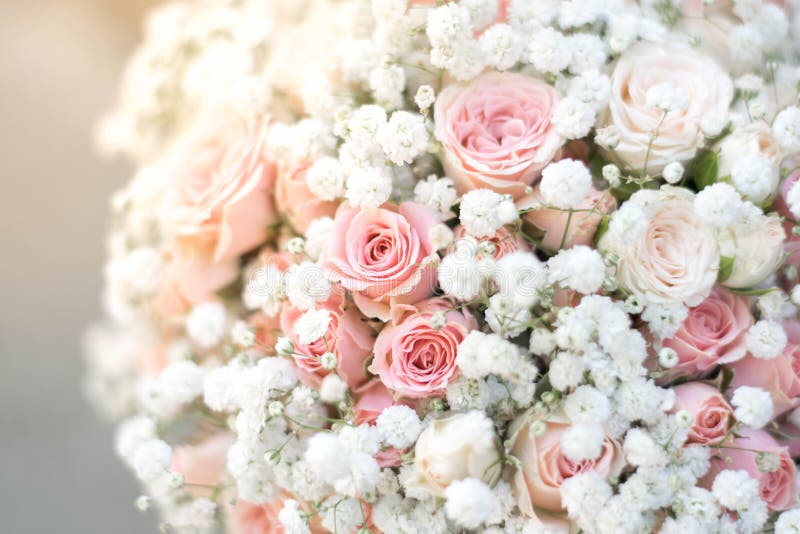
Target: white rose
698, 78
674, 258
754, 139
756, 246
454, 448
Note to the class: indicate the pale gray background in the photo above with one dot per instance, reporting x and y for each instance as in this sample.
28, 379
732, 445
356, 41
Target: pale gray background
60, 61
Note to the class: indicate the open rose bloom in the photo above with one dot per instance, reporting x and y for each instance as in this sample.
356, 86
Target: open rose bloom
457, 266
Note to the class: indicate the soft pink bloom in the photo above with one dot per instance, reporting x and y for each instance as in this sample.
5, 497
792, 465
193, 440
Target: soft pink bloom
778, 488
413, 358
370, 401
249, 518
713, 333
544, 468
219, 201
504, 240
496, 131
294, 199
348, 337
711, 413
780, 204
383, 255
780, 376
203, 464
190, 277
553, 223
790, 436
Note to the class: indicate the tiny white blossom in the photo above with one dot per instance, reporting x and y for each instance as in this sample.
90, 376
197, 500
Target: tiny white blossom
666, 97
565, 183
583, 441
754, 177
469, 502
766, 339
425, 97
673, 172
404, 137
502, 46
326, 178
572, 118
753, 406
718, 205
735, 490
483, 212
787, 128
399, 426
312, 325
332, 389
206, 324
306, 285
368, 188
580, 268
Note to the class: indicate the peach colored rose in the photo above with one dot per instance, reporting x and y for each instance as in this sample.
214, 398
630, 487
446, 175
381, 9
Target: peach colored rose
504, 240
348, 337
712, 334
294, 200
219, 201
249, 518
778, 488
553, 223
780, 376
544, 468
674, 258
413, 358
496, 131
370, 401
190, 277
705, 85
383, 255
712, 416
203, 464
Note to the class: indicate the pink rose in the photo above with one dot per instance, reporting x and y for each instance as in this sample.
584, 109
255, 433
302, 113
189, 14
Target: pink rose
779, 487
190, 277
544, 468
203, 464
553, 223
348, 337
713, 333
248, 518
219, 201
711, 413
496, 131
780, 376
294, 199
413, 358
504, 240
781, 206
384, 255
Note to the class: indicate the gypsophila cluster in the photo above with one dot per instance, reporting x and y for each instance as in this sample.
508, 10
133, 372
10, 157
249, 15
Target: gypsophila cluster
457, 266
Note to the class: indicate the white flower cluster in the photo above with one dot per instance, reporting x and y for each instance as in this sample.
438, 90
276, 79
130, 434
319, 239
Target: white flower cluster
466, 266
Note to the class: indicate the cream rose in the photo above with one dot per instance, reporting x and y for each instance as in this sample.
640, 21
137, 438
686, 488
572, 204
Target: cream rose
741, 147
456, 447
708, 91
756, 248
670, 255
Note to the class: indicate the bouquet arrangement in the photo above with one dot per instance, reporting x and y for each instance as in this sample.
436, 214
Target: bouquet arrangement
442, 266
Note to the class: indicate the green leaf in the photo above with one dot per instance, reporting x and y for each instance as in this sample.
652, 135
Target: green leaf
602, 228
725, 267
754, 292
706, 169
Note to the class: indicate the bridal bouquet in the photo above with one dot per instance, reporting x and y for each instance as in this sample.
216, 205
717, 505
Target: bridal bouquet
414, 266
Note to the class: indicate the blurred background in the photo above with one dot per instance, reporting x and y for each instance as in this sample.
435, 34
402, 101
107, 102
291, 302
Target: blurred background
59, 68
